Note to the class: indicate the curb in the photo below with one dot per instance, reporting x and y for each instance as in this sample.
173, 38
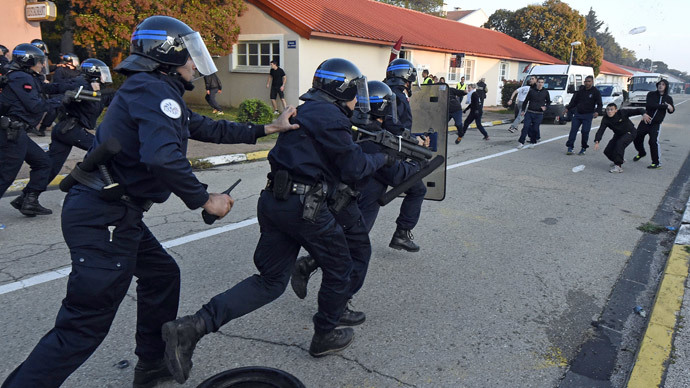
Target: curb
653, 356
220, 160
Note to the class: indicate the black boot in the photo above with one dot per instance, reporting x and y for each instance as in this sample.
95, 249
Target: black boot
402, 239
181, 336
147, 374
31, 207
42, 131
305, 266
334, 341
17, 202
351, 317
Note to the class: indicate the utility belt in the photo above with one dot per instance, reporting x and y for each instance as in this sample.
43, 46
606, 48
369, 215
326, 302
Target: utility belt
12, 127
109, 192
282, 186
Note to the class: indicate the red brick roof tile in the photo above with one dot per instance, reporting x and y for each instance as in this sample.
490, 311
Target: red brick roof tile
380, 23
611, 68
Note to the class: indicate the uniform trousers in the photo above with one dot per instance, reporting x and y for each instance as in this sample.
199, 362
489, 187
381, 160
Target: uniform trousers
61, 145
14, 153
102, 271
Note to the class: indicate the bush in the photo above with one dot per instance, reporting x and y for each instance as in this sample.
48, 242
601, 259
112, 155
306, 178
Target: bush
507, 91
255, 111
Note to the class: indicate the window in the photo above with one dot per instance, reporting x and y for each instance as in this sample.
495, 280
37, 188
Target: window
405, 54
257, 54
578, 81
469, 70
454, 74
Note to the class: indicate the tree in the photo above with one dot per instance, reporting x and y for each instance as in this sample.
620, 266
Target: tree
504, 21
108, 24
593, 24
589, 55
427, 6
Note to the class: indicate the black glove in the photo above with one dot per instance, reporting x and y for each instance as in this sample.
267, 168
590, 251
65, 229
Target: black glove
390, 159
67, 99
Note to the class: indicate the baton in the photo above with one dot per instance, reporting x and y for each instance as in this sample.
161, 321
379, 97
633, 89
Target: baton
100, 155
210, 218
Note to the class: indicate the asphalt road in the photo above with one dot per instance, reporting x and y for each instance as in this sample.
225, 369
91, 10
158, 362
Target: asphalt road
515, 264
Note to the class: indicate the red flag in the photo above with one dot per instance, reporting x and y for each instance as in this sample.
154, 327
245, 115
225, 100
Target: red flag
395, 50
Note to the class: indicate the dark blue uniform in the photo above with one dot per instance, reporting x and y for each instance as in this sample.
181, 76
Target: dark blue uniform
72, 130
23, 102
109, 243
411, 207
322, 150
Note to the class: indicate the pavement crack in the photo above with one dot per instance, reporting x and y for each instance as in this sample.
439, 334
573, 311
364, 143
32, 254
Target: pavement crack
354, 360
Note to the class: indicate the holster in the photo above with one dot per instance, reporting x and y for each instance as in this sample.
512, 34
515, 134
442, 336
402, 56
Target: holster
67, 124
344, 195
313, 200
12, 128
281, 185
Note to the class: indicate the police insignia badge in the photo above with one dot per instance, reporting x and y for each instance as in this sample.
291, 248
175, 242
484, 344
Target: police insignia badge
171, 108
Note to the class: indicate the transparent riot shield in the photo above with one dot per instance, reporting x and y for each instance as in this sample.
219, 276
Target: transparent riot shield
429, 104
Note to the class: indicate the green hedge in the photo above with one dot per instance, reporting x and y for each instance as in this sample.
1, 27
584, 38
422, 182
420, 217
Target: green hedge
255, 111
507, 91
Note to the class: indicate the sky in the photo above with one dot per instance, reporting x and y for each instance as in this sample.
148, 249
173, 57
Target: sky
668, 32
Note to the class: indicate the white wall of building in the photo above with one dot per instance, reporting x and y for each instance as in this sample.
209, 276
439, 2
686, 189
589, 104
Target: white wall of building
476, 18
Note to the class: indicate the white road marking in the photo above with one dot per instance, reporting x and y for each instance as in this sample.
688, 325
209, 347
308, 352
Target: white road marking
65, 271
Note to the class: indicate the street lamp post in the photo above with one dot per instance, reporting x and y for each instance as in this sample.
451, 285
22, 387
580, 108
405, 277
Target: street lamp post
572, 45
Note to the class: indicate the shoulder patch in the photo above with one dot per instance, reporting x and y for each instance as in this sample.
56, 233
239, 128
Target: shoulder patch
27, 87
171, 108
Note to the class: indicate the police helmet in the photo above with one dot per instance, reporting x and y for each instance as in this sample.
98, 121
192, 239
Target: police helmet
165, 41
400, 71
70, 58
41, 45
382, 102
342, 80
3, 50
27, 55
96, 70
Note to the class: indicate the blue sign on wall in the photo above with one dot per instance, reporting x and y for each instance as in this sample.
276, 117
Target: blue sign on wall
292, 44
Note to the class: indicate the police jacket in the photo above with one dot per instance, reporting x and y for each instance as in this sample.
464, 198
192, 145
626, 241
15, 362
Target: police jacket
455, 100
620, 123
64, 73
86, 112
23, 100
657, 105
150, 119
322, 148
536, 99
586, 100
404, 112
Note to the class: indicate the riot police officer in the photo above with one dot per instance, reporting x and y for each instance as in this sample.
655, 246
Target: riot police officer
51, 114
400, 75
109, 243
67, 69
80, 116
5, 57
383, 109
307, 166
23, 107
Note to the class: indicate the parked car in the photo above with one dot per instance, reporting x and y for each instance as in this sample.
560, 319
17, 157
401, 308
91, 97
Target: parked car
611, 93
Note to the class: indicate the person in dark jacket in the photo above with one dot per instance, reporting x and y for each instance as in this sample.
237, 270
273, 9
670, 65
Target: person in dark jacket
476, 108
587, 105
67, 69
623, 134
455, 106
657, 104
213, 87
533, 109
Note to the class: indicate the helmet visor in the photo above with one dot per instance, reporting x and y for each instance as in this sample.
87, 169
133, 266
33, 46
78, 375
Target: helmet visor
362, 94
106, 77
199, 53
394, 107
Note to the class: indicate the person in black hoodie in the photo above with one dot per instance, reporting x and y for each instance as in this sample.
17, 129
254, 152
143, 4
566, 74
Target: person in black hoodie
587, 105
623, 134
213, 86
658, 103
476, 109
533, 109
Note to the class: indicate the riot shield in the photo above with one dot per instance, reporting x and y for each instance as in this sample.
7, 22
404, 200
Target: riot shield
429, 104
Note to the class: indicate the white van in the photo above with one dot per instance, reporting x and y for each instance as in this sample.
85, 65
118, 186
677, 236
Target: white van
640, 85
561, 81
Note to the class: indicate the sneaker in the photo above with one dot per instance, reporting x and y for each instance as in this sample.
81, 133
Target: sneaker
486, 138
616, 168
570, 151
654, 166
638, 157
215, 111
275, 112
512, 129
220, 113
520, 146
530, 145
582, 151
458, 140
